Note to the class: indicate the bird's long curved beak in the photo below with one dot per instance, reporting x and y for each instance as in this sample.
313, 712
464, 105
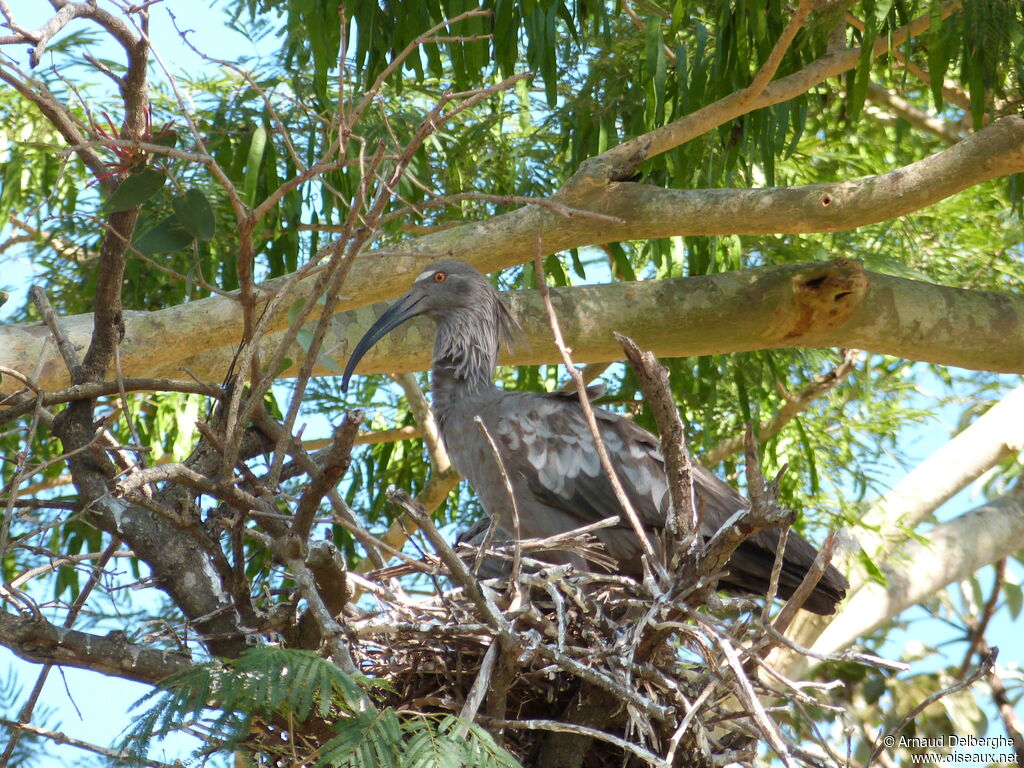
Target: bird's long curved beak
406, 308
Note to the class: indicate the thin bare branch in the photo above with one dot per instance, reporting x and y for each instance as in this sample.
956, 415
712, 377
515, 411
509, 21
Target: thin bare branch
978, 625
653, 378
588, 414
334, 463
62, 738
983, 669
67, 350
558, 726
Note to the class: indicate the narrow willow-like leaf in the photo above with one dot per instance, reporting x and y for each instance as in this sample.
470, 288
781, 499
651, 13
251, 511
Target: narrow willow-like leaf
254, 160
812, 460
938, 54
1014, 598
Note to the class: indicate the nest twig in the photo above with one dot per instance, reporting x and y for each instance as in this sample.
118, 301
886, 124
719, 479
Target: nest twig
690, 684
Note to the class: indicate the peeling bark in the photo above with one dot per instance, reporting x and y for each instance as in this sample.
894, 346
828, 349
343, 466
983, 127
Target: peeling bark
817, 304
211, 326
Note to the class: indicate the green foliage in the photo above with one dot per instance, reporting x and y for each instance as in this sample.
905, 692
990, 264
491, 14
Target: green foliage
166, 235
448, 742
610, 79
195, 214
252, 700
136, 189
269, 681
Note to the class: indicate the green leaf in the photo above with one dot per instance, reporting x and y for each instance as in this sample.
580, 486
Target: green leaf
426, 749
195, 214
812, 462
656, 67
294, 310
478, 747
938, 55
677, 16
872, 569
365, 738
168, 235
549, 63
1014, 599
506, 34
168, 139
136, 189
875, 12
623, 269
974, 73
252, 165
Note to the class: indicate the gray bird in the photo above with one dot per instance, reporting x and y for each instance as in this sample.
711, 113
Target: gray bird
548, 451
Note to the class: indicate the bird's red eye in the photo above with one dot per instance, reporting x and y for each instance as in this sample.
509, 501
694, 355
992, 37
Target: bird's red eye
440, 277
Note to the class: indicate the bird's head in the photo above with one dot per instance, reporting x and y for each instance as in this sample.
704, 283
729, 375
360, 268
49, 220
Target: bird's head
471, 319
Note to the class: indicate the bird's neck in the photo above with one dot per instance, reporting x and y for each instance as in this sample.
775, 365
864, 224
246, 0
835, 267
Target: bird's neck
465, 354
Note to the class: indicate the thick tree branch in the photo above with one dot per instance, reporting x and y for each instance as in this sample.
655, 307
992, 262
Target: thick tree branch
994, 436
988, 440
621, 161
43, 643
833, 304
951, 551
210, 325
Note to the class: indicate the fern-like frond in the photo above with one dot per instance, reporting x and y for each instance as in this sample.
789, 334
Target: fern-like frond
369, 738
428, 747
266, 681
449, 742
283, 686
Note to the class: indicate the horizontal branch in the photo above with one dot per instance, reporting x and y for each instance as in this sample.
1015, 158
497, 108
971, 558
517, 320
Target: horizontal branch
946, 130
40, 642
210, 325
25, 403
816, 304
992, 437
62, 738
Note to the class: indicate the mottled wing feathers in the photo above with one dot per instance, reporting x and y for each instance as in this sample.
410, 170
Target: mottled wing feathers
548, 441
548, 449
